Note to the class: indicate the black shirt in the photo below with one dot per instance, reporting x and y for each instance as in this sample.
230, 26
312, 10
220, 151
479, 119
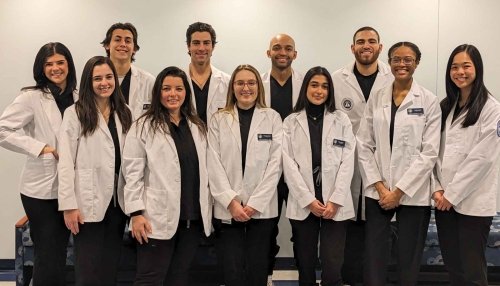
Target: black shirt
201, 97
245, 117
63, 99
394, 109
125, 86
116, 141
281, 97
365, 82
190, 172
315, 122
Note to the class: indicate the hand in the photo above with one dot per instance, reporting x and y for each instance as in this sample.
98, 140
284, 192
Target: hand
437, 196
249, 210
391, 200
72, 218
317, 208
381, 190
47, 149
237, 211
442, 203
140, 228
330, 210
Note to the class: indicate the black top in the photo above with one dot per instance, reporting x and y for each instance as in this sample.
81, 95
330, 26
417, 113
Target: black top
245, 117
315, 121
201, 97
125, 86
63, 99
394, 109
190, 172
458, 110
365, 82
116, 141
281, 97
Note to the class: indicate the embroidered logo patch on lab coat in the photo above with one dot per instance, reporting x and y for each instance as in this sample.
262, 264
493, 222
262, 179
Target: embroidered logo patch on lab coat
347, 104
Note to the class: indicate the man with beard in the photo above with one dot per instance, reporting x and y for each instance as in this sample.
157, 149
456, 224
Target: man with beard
281, 85
208, 84
353, 86
136, 84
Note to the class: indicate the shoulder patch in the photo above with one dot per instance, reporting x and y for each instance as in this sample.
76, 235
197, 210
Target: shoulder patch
347, 103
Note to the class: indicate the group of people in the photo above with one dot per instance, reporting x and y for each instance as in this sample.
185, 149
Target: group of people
196, 151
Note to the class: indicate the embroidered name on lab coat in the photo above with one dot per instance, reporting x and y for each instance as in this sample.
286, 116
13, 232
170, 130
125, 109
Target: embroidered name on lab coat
264, 137
339, 143
146, 106
415, 111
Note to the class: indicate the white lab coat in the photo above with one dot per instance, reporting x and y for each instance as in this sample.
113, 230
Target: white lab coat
26, 126
415, 144
467, 168
153, 178
297, 79
337, 164
350, 99
217, 91
257, 188
141, 91
87, 167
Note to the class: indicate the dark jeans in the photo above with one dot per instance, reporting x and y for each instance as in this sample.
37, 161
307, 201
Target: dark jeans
462, 239
98, 249
50, 240
167, 261
246, 251
412, 224
331, 236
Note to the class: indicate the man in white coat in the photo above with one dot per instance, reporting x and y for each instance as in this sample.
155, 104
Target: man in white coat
136, 84
209, 85
353, 85
281, 86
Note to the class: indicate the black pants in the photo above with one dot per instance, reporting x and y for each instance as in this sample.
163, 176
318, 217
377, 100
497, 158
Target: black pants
274, 247
354, 252
246, 251
167, 261
50, 240
98, 249
412, 224
331, 236
462, 240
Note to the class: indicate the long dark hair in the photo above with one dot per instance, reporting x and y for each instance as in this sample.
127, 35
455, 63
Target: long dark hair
45, 52
302, 101
478, 95
158, 115
86, 106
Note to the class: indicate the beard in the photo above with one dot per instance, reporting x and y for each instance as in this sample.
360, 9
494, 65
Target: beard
281, 66
367, 60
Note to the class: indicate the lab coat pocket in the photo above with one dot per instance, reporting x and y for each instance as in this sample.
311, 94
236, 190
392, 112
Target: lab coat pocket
469, 138
262, 150
85, 189
41, 171
156, 207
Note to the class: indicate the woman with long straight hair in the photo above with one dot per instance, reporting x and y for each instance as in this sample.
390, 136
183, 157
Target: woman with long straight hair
38, 112
467, 168
318, 161
166, 191
91, 185
398, 146
244, 166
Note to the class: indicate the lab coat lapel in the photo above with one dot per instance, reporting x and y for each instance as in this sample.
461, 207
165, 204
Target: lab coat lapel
257, 118
233, 121
50, 108
103, 126
385, 145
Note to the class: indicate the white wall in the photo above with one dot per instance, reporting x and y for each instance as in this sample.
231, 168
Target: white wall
322, 29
